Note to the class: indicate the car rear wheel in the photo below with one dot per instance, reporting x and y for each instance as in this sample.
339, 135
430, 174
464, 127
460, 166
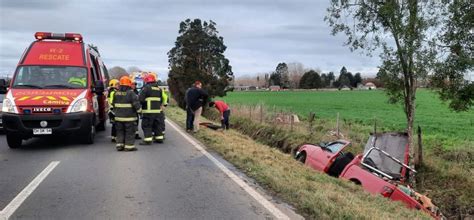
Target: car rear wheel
13, 141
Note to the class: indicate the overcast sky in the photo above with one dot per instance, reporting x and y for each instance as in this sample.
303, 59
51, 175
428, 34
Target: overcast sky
258, 34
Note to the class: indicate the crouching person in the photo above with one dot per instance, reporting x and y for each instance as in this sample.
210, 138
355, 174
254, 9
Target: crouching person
126, 107
224, 110
152, 97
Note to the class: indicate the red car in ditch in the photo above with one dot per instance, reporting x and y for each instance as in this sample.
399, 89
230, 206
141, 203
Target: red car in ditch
381, 169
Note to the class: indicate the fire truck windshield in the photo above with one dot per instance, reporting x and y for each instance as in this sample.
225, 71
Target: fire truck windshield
50, 77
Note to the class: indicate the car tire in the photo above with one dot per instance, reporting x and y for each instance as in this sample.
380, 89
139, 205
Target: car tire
89, 137
14, 141
101, 126
302, 157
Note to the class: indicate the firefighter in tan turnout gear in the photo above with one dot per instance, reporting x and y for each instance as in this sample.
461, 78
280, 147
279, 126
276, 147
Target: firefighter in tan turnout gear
126, 106
152, 99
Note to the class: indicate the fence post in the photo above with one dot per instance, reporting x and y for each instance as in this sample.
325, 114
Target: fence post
250, 112
337, 124
419, 156
310, 120
291, 121
261, 113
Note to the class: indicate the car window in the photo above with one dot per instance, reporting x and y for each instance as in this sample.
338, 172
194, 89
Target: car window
50, 77
335, 147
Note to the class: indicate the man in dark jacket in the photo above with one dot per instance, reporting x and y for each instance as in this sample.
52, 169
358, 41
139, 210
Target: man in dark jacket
126, 107
195, 98
152, 98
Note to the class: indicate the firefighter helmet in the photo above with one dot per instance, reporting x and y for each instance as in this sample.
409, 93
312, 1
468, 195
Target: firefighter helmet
113, 83
125, 81
150, 78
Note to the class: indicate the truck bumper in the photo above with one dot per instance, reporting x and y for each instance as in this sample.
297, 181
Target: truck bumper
63, 124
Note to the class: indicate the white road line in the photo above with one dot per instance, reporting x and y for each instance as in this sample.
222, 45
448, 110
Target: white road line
262, 200
20, 198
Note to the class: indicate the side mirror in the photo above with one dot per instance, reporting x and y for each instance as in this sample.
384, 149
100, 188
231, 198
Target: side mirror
3, 86
99, 87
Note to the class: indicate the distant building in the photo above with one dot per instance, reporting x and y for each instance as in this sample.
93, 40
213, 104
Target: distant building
370, 86
275, 88
241, 88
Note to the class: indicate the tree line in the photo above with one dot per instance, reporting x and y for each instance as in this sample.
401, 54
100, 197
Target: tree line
294, 76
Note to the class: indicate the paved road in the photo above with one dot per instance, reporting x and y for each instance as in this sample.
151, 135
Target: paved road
169, 181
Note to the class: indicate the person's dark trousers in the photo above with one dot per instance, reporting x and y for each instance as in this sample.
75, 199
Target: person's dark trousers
189, 118
161, 117
158, 124
225, 121
147, 127
113, 133
126, 134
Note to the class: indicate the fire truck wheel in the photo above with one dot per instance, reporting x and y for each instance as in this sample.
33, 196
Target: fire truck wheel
101, 126
14, 141
89, 138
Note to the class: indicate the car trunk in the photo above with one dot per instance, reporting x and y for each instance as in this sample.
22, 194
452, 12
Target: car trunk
393, 143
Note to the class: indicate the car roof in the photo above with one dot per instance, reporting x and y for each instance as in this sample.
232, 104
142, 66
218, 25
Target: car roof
51, 53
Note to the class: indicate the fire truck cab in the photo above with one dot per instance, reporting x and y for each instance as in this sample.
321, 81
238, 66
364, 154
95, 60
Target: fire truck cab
58, 89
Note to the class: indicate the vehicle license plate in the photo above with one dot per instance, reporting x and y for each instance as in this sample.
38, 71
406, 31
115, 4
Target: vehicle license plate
41, 131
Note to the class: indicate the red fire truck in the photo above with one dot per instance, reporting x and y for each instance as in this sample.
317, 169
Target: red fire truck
57, 89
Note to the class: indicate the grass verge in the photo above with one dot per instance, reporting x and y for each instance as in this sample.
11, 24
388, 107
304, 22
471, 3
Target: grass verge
446, 175
315, 195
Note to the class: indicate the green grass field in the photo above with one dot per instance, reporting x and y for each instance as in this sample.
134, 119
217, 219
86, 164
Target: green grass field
434, 116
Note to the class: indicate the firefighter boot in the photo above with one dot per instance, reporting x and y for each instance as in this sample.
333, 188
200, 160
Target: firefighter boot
159, 139
130, 148
119, 147
147, 141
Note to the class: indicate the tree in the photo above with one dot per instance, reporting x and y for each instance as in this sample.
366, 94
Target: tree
296, 71
357, 79
116, 72
198, 54
457, 43
310, 80
275, 79
331, 79
282, 72
344, 79
324, 80
402, 31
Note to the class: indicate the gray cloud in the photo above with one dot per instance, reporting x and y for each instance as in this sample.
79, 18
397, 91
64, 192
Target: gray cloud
259, 34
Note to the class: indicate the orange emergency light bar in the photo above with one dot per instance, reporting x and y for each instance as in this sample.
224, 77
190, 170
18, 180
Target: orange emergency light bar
58, 36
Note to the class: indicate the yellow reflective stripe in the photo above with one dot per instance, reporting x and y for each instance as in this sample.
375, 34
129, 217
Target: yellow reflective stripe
160, 137
64, 98
51, 98
153, 99
37, 97
139, 111
148, 139
155, 88
125, 119
151, 111
122, 105
24, 98
129, 146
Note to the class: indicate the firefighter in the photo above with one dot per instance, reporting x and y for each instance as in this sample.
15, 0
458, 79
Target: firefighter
162, 114
126, 107
113, 86
135, 90
151, 97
